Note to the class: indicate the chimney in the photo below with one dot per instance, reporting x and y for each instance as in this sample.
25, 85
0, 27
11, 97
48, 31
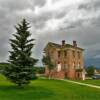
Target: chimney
63, 42
74, 43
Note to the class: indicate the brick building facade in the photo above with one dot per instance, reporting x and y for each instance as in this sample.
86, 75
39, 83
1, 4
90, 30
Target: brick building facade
68, 60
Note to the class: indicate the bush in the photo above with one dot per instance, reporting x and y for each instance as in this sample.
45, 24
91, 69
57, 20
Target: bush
39, 70
3, 66
90, 70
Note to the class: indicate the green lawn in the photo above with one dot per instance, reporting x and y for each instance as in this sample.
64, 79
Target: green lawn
91, 81
44, 89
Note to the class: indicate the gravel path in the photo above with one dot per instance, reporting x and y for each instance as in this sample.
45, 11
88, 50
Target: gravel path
84, 84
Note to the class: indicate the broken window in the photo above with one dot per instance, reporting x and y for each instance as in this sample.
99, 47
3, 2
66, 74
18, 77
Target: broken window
65, 53
59, 53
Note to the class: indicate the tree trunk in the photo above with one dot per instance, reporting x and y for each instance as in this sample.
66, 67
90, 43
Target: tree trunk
49, 75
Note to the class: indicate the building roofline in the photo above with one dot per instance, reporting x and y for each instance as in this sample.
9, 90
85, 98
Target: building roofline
55, 45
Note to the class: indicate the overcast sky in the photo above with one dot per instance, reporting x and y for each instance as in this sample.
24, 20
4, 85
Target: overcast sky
53, 20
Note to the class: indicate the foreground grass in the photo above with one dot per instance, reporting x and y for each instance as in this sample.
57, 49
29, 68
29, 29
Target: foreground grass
91, 81
43, 89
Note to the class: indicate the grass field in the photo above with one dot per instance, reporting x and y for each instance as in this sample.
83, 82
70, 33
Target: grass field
91, 81
44, 89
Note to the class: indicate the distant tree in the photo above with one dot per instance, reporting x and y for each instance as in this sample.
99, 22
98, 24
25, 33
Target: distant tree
90, 70
21, 69
2, 66
40, 70
47, 61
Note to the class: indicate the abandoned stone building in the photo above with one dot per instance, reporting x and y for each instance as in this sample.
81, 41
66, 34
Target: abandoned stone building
68, 60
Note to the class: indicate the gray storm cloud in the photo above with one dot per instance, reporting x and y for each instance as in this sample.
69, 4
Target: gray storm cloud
53, 20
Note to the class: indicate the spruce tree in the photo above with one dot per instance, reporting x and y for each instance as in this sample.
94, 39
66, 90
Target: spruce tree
21, 69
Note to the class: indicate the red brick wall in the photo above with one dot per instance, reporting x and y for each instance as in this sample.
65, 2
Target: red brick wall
60, 75
54, 74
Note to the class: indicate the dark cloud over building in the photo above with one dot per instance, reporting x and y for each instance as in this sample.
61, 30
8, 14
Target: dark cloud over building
53, 20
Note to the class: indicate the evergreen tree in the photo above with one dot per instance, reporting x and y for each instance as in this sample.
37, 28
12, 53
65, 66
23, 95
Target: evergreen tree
21, 69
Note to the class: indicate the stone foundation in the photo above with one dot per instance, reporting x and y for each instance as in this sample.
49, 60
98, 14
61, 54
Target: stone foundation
59, 75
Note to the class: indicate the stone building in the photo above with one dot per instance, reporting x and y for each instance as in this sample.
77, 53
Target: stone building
68, 60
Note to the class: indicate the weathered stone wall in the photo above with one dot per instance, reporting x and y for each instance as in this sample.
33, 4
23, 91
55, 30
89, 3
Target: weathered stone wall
72, 62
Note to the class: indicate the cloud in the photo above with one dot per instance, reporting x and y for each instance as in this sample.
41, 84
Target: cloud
53, 20
14, 5
97, 56
65, 19
39, 2
91, 5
